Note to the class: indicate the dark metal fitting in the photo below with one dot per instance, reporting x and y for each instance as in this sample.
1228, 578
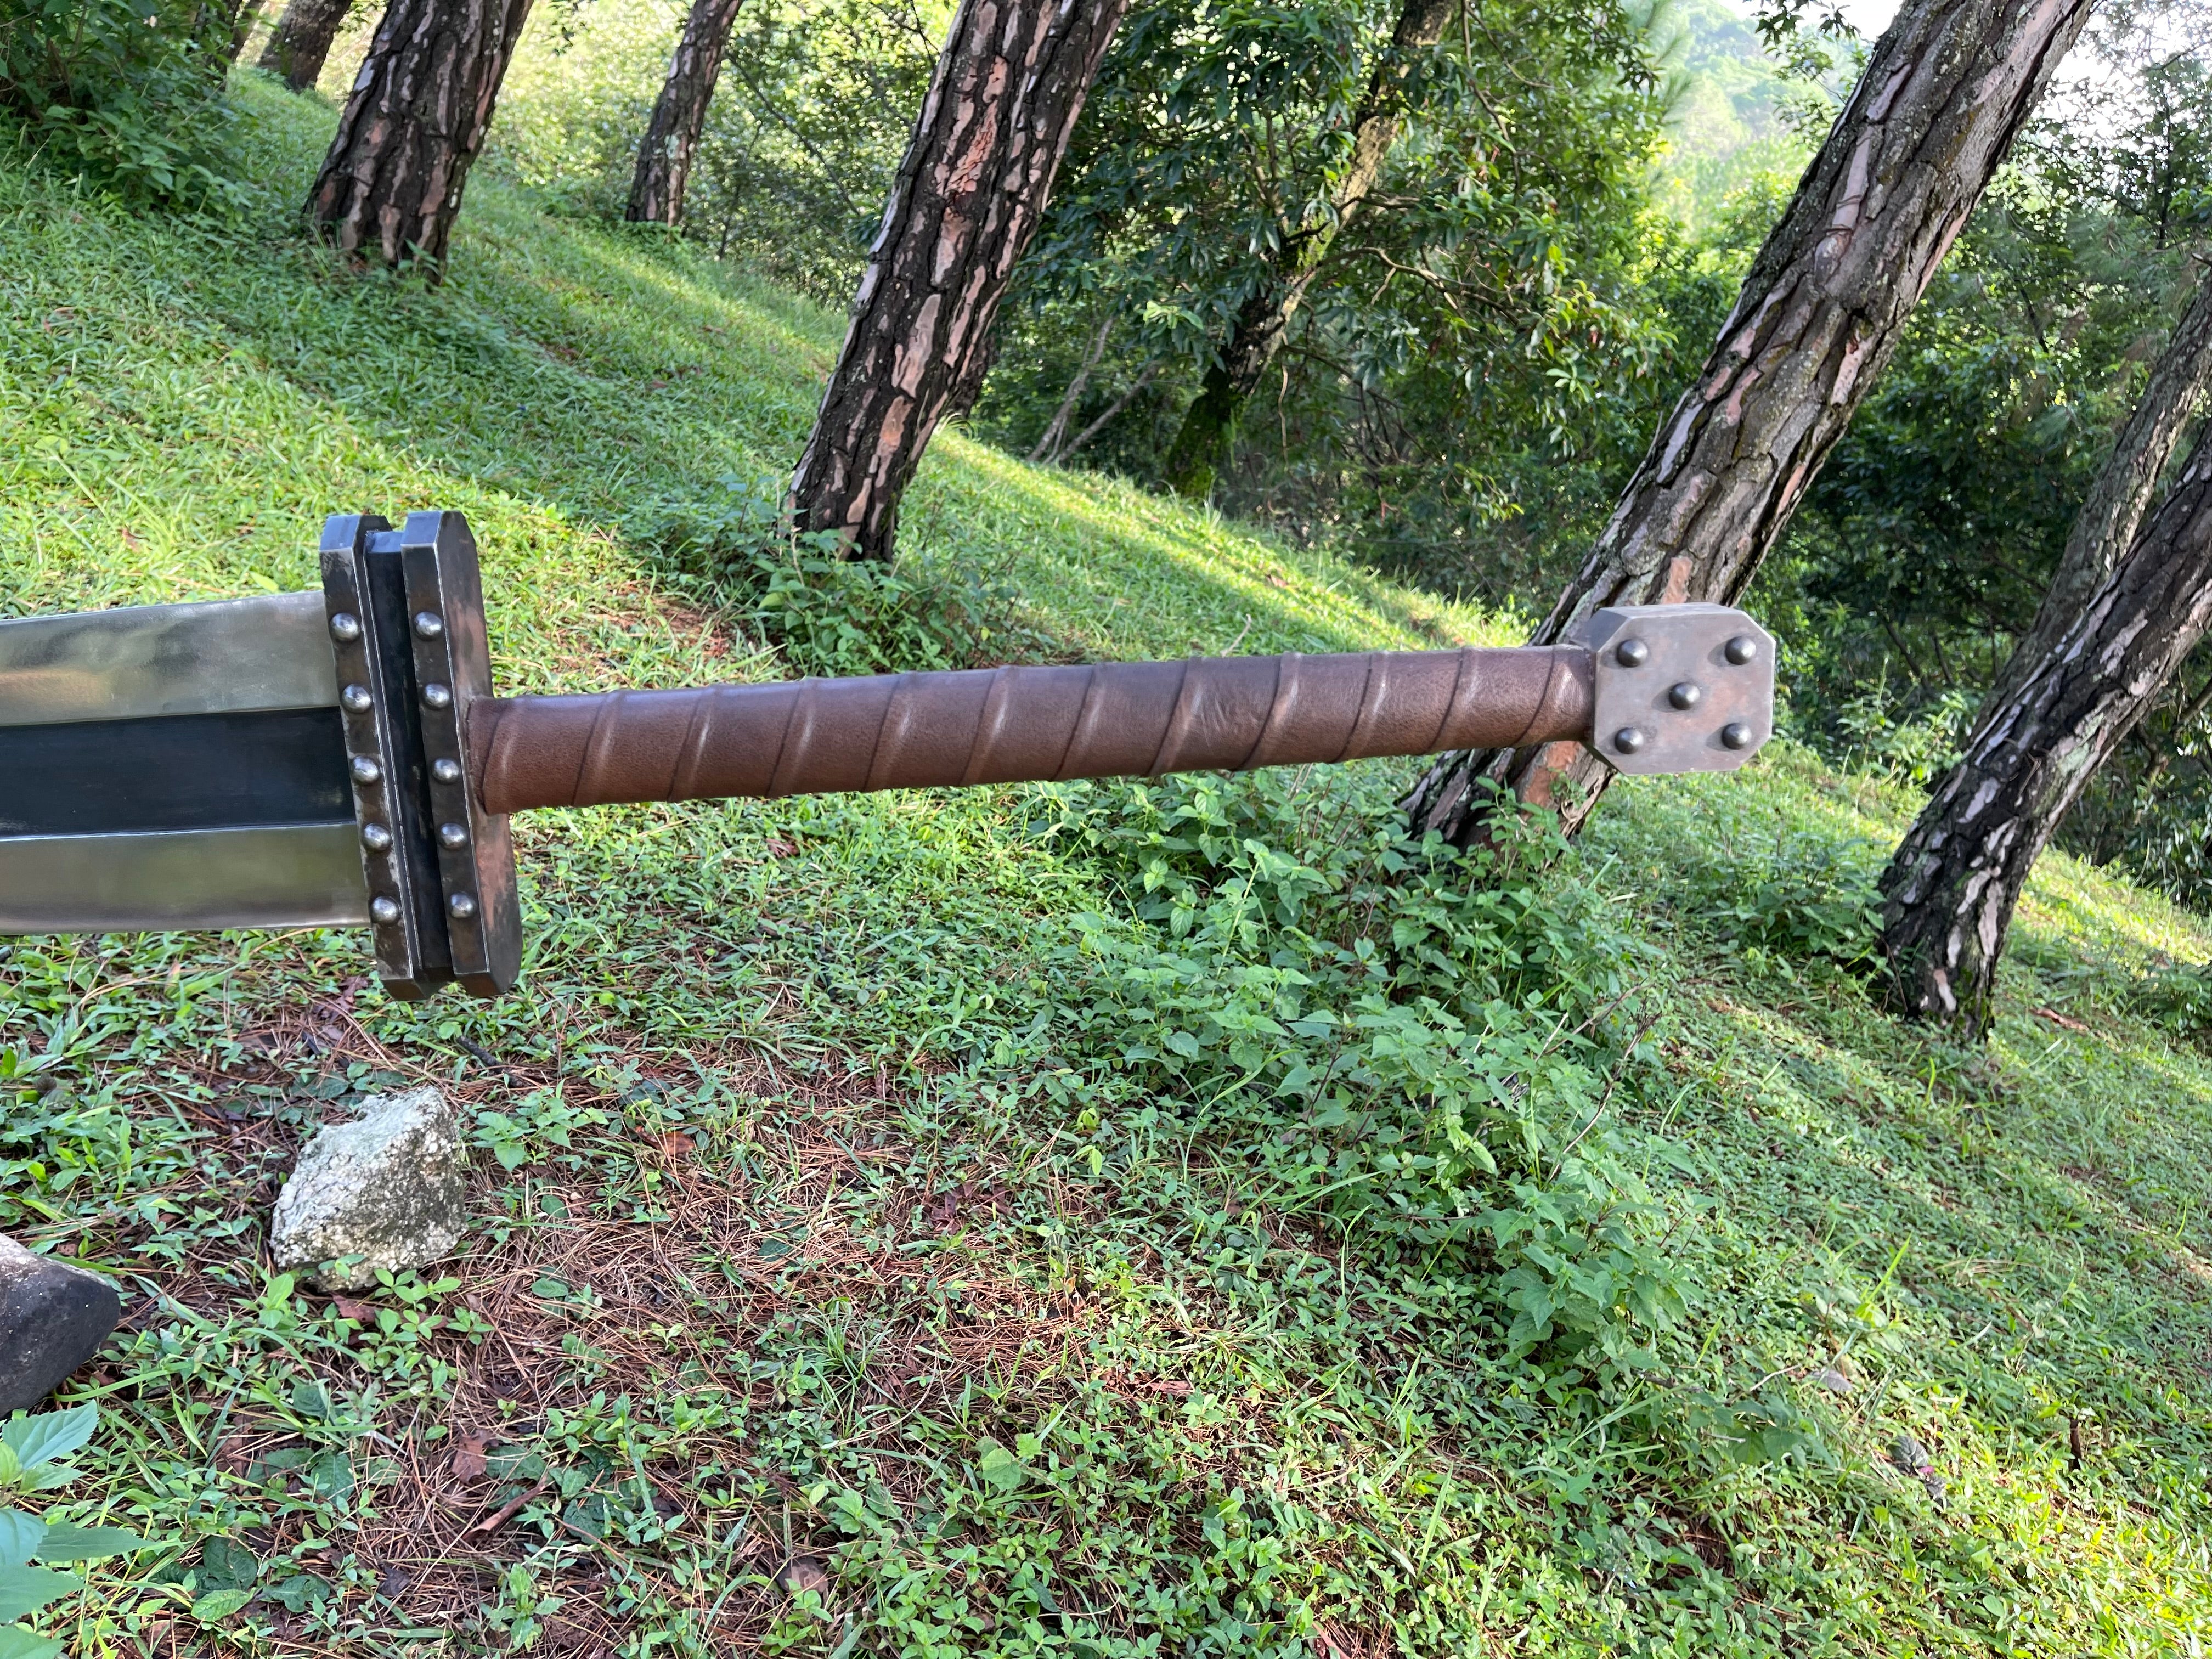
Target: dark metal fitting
1685, 694
462, 906
1678, 678
383, 911
366, 771
1741, 650
437, 696
428, 625
356, 699
376, 837
1632, 653
446, 771
455, 836
1629, 739
345, 627
1736, 735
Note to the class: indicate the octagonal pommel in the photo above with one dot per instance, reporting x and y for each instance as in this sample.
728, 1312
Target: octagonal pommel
1681, 688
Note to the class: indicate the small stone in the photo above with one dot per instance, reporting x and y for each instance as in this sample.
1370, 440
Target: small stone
53, 1317
803, 1572
388, 1187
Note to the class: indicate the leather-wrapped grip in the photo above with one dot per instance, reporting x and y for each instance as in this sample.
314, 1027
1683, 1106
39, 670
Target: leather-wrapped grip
1007, 725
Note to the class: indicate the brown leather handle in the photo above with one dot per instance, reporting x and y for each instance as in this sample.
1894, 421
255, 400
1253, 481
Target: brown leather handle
1005, 725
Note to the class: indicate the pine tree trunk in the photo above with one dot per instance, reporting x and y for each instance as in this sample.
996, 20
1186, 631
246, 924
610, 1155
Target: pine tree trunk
977, 172
1945, 91
679, 114
1949, 893
2125, 487
415, 123
1202, 443
241, 25
301, 40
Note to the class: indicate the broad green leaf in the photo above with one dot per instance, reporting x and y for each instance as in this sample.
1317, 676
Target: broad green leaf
50, 1435
220, 1604
67, 1541
19, 1537
17, 1642
11, 1466
26, 1590
1000, 1466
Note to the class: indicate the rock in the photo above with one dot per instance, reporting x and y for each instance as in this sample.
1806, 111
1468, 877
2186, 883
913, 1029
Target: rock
388, 1187
53, 1317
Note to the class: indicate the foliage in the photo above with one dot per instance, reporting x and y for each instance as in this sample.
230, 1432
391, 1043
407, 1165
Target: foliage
1484, 292
828, 614
129, 93
30, 1450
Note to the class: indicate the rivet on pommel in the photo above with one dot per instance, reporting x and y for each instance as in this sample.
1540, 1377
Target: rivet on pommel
1632, 653
345, 627
357, 698
428, 624
384, 910
1740, 649
1736, 735
446, 771
376, 837
462, 906
455, 836
1685, 694
1628, 739
437, 696
366, 770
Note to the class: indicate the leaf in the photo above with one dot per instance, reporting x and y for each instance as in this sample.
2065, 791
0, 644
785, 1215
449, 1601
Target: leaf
19, 1537
220, 1604
1000, 1466
50, 1435
469, 1461
26, 1590
67, 1541
17, 1642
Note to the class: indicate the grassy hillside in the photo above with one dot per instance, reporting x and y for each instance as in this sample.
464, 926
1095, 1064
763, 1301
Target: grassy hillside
1128, 1220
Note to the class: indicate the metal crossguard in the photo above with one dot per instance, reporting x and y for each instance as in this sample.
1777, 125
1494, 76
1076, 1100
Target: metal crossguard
337, 758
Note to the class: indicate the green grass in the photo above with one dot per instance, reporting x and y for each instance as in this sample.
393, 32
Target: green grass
828, 1233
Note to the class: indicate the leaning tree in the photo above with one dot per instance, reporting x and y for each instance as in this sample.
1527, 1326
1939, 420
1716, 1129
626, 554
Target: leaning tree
977, 172
1944, 92
679, 114
390, 184
2069, 697
300, 43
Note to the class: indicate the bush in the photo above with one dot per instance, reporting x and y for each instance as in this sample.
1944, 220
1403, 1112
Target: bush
1421, 1043
128, 93
831, 615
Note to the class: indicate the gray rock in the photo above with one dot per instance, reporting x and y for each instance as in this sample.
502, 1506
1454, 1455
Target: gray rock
388, 1187
53, 1317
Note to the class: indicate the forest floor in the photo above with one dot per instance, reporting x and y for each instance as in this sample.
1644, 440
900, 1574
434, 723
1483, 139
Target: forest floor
820, 1217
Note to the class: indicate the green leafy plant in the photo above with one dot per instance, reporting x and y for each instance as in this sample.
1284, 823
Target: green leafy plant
129, 93
31, 1453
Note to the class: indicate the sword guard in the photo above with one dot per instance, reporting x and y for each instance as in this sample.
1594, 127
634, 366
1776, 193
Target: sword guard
405, 615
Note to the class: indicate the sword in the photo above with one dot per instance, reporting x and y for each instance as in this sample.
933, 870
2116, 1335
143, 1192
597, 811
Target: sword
338, 757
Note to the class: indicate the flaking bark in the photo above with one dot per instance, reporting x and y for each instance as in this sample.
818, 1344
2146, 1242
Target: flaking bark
390, 184
2126, 485
976, 175
300, 42
1209, 426
679, 114
1949, 892
1946, 90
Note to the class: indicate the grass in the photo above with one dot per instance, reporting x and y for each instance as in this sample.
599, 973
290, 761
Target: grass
831, 1235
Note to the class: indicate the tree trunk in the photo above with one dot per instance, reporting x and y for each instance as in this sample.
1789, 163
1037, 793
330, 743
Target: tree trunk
977, 172
417, 119
2125, 487
301, 40
1202, 443
1949, 891
242, 24
1946, 88
679, 114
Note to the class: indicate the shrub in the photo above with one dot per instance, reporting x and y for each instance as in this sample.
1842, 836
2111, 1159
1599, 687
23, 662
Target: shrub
126, 93
831, 615
1423, 1043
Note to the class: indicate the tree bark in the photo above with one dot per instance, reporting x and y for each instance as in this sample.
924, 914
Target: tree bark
1949, 891
301, 40
1202, 443
414, 124
977, 172
679, 114
1946, 88
2126, 485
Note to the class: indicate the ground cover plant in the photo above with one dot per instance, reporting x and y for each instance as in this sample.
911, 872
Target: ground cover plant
1119, 1219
